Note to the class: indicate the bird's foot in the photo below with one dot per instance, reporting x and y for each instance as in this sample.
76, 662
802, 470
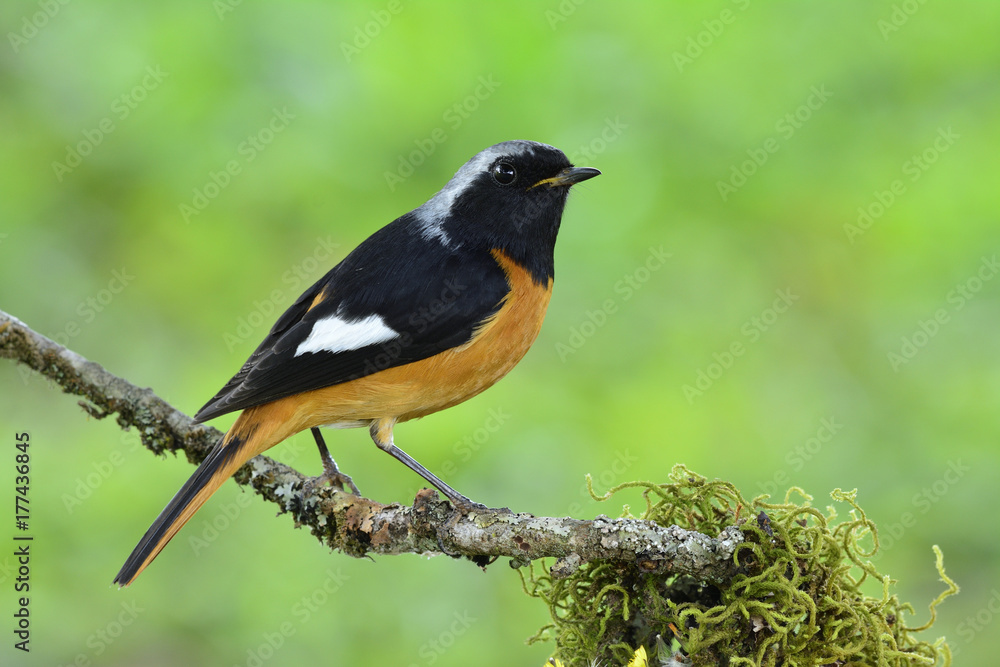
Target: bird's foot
331, 473
334, 478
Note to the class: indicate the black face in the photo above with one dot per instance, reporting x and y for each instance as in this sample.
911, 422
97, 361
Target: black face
525, 168
511, 197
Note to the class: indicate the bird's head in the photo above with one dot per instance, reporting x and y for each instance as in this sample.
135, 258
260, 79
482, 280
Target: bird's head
509, 197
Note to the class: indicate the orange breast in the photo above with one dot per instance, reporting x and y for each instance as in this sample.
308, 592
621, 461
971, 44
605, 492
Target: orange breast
423, 387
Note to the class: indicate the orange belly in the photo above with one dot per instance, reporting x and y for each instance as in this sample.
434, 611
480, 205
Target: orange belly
426, 386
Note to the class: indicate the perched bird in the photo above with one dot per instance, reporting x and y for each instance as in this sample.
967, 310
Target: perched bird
426, 313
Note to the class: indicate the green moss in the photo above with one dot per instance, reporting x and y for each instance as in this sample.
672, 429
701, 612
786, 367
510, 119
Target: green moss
798, 599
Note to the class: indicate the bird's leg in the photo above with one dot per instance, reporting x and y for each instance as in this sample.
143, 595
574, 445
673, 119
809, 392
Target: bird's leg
331, 473
382, 435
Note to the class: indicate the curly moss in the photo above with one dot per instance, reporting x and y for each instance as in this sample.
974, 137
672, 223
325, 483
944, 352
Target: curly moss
798, 599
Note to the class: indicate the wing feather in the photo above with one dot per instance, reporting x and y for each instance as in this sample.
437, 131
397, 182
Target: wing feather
434, 296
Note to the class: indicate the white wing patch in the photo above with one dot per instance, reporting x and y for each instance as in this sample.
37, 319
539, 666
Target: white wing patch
335, 334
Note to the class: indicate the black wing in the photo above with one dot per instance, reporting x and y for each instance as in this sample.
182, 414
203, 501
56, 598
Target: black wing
432, 295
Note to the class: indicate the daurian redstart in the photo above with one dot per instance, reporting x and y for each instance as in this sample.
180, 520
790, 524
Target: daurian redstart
426, 313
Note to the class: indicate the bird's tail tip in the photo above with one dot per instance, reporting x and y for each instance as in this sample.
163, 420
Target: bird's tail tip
220, 464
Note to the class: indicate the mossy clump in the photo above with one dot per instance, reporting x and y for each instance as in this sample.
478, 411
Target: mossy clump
797, 599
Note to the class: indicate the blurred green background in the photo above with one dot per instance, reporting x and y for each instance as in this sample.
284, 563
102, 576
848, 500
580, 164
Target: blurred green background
786, 275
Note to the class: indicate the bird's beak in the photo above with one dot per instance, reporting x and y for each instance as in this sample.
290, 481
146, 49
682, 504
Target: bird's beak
568, 176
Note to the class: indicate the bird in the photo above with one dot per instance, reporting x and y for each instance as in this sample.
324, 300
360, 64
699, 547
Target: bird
426, 313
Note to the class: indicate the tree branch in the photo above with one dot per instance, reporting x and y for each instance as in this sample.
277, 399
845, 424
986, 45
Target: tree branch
359, 526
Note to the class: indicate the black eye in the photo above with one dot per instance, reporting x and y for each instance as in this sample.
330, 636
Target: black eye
504, 173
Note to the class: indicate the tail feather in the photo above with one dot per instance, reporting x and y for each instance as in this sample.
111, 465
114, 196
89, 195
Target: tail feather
227, 457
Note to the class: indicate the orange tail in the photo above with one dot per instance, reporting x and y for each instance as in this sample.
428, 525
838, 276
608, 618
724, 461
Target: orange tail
237, 447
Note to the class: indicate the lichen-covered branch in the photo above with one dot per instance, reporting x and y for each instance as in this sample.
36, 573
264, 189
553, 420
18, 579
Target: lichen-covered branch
359, 526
